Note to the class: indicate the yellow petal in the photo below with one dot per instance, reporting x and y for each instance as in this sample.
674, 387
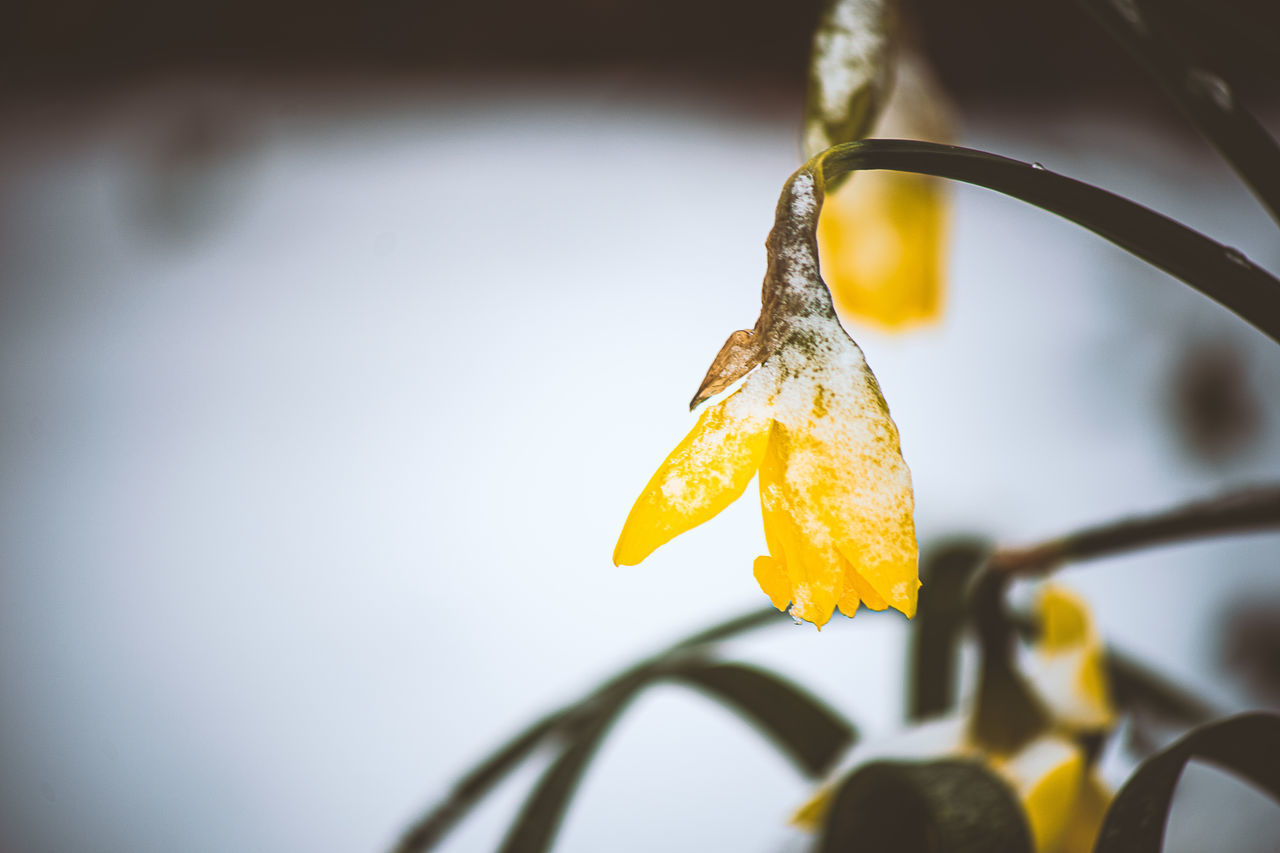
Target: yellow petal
810, 815
855, 584
807, 549
1069, 668
1064, 619
1086, 821
705, 473
1048, 775
833, 473
849, 601
880, 246
771, 574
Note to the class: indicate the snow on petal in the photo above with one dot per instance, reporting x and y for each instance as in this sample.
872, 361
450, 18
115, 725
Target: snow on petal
706, 472
813, 564
845, 484
1069, 669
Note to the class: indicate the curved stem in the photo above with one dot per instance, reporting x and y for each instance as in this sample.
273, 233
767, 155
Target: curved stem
1152, 33
1217, 271
1251, 509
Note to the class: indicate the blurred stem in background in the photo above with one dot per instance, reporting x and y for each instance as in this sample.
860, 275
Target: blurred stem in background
804, 728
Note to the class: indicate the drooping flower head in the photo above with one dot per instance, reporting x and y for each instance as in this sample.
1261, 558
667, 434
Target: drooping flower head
811, 422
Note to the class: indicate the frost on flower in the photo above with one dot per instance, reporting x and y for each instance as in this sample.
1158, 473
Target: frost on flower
811, 422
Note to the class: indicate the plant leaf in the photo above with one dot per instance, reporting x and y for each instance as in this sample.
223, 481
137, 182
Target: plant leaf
535, 827
1134, 686
935, 632
957, 806
432, 827
1247, 745
1201, 92
1217, 271
427, 831
811, 734
1241, 37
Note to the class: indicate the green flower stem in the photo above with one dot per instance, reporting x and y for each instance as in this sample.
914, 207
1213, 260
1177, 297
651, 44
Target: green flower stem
1156, 36
1252, 509
1006, 714
1219, 272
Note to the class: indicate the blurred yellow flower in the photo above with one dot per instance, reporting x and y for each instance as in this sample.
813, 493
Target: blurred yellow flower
1062, 796
1067, 666
1064, 800
834, 489
881, 242
882, 234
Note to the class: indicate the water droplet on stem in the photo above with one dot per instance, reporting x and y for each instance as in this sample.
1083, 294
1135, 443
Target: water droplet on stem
1206, 84
1236, 257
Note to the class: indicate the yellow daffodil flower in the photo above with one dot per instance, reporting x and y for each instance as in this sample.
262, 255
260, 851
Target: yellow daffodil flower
1064, 800
835, 492
1067, 666
812, 423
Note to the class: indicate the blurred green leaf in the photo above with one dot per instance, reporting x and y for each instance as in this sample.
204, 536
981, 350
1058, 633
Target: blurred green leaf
811, 734
1247, 745
1173, 56
1134, 686
424, 834
952, 806
535, 827
428, 830
940, 619
1007, 712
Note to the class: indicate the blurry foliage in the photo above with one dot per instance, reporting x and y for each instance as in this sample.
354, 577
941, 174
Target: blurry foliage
1213, 402
193, 170
1250, 646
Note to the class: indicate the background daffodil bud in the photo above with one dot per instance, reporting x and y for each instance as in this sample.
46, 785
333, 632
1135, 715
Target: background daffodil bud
882, 235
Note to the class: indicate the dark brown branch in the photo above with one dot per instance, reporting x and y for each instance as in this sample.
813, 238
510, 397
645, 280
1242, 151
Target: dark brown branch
1251, 509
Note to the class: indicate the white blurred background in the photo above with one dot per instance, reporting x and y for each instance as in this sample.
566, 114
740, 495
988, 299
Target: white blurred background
322, 404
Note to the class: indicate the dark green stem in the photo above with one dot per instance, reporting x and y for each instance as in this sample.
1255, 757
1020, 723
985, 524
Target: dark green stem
1164, 42
1252, 509
1217, 271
